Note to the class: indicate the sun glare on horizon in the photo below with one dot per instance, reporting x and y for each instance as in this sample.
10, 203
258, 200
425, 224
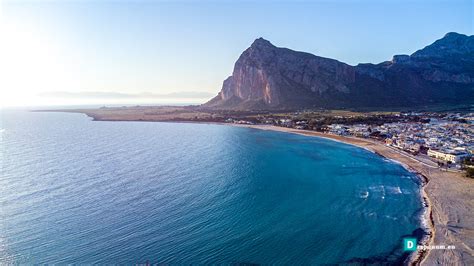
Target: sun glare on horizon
165, 48
40, 59
31, 63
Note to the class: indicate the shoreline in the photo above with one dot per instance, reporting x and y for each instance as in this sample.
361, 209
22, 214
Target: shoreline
426, 217
439, 215
447, 197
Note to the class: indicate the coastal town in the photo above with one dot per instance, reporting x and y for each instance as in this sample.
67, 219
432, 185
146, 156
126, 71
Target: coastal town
437, 146
442, 139
237, 132
439, 139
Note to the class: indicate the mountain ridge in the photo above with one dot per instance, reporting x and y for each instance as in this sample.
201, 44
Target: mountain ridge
270, 77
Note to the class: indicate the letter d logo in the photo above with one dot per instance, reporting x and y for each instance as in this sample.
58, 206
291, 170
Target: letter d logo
409, 244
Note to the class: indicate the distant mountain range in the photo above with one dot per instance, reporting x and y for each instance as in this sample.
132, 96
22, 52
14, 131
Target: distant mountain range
267, 77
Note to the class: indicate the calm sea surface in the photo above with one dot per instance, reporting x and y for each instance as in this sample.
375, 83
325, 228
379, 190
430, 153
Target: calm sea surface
77, 191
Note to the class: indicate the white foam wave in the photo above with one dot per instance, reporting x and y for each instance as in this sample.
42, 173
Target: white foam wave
394, 190
391, 217
377, 188
364, 194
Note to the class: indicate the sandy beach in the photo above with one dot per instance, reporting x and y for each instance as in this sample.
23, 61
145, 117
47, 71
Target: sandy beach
448, 195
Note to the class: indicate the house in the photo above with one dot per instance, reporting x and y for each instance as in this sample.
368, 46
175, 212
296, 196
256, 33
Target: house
447, 155
286, 122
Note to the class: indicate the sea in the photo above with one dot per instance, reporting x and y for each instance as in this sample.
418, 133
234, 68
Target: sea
77, 191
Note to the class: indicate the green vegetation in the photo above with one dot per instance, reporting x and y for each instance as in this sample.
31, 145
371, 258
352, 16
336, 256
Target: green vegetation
468, 161
468, 166
470, 172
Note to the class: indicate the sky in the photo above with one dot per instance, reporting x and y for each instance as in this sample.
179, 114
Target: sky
104, 52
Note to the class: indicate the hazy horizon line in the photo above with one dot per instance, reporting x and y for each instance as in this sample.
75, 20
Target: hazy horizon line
121, 95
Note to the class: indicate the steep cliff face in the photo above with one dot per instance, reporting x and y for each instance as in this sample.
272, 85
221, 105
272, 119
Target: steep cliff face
268, 77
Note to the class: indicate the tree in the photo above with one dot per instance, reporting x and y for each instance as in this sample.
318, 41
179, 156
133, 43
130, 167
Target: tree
467, 161
440, 164
470, 172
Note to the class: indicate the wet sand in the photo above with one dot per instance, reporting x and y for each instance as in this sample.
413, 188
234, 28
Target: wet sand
448, 195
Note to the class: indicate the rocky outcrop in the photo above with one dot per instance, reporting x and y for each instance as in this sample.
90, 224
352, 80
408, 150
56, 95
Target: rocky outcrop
268, 77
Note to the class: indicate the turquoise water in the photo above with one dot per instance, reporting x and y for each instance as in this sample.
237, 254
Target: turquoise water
77, 191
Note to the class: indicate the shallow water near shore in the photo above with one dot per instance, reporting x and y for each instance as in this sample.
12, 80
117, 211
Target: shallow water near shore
78, 191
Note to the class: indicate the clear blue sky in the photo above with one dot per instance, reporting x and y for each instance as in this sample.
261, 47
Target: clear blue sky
164, 46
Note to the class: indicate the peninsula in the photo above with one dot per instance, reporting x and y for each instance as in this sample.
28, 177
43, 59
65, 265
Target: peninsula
447, 194
414, 109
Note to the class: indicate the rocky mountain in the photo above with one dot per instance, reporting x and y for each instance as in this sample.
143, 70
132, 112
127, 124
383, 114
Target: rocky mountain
269, 77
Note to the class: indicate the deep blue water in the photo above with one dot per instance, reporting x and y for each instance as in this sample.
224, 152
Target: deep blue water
77, 191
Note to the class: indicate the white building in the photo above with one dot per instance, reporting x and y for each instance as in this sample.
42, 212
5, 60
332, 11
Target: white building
448, 156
